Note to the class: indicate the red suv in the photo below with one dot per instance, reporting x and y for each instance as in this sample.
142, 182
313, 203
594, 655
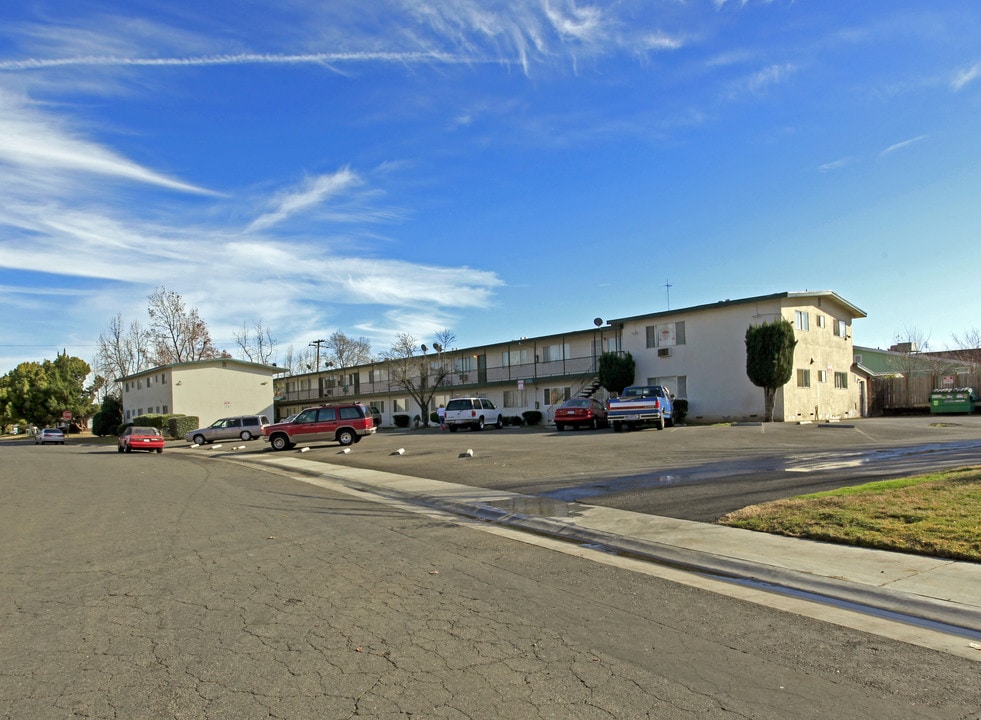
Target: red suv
345, 424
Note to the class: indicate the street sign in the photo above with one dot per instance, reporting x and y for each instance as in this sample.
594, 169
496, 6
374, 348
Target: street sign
66, 415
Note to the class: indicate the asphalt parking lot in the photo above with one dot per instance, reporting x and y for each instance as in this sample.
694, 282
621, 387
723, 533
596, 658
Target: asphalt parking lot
538, 459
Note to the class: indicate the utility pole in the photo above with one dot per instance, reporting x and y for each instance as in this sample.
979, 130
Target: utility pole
317, 344
667, 288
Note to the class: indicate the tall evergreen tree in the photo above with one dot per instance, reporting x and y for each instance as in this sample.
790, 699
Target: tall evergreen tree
770, 359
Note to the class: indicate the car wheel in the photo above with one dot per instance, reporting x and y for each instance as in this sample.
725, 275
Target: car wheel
159, 450
479, 425
593, 424
452, 428
128, 449
500, 423
346, 437
617, 426
199, 440
246, 435
280, 442
559, 427
660, 424
119, 448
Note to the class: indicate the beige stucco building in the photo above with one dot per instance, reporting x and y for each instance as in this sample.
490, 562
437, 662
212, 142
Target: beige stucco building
699, 353
208, 389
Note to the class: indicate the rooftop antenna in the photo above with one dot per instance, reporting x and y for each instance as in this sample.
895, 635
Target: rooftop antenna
667, 288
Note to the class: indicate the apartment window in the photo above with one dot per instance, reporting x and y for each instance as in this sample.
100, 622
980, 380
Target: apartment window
841, 328
822, 376
554, 353
676, 384
858, 359
163, 379
515, 398
521, 356
841, 380
666, 335
802, 320
164, 410
820, 319
803, 378
557, 395
400, 405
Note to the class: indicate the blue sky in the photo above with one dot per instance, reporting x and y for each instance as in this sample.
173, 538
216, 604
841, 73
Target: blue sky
499, 169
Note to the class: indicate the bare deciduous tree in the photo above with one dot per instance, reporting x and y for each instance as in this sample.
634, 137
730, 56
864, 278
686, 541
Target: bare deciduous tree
179, 333
419, 375
348, 352
256, 343
122, 351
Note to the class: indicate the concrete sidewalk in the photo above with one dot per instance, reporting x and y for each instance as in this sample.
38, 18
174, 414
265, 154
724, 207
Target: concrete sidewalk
944, 593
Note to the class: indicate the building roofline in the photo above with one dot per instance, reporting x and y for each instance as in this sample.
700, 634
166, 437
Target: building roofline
854, 310
207, 361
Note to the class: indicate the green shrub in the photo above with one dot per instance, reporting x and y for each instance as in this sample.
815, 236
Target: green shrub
180, 425
532, 417
401, 421
680, 410
154, 420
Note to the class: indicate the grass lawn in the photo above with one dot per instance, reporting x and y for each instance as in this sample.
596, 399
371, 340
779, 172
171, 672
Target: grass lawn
937, 514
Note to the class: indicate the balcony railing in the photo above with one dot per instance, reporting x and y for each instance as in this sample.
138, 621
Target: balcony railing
576, 367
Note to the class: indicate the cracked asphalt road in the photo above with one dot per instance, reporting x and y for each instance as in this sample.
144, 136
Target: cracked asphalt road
145, 586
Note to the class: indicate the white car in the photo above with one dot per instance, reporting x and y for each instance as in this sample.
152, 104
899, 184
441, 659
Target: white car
474, 413
49, 435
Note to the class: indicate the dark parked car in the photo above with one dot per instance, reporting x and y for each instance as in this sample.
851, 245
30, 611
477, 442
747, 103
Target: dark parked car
140, 438
581, 412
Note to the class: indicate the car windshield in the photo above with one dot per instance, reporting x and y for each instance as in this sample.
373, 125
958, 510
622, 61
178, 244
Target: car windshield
576, 402
144, 431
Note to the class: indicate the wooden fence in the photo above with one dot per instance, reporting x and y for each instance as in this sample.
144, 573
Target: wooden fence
911, 393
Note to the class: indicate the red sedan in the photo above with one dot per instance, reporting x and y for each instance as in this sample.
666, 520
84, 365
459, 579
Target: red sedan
140, 438
581, 412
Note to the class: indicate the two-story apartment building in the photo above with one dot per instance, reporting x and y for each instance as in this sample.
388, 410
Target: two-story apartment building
698, 352
209, 389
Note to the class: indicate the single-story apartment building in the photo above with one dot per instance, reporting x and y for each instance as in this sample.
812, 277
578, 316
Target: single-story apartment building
208, 389
699, 353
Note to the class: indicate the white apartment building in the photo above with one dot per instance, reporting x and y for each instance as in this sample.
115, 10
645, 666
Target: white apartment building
699, 353
208, 389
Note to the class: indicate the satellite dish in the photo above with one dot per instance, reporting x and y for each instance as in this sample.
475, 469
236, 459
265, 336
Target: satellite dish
598, 321
424, 348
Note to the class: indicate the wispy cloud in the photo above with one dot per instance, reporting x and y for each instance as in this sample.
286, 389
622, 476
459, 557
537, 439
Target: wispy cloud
30, 139
401, 58
903, 144
836, 164
312, 193
965, 77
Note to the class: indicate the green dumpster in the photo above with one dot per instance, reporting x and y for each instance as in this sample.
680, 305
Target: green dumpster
952, 400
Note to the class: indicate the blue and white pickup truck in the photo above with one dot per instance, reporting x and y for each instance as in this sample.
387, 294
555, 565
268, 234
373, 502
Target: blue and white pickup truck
639, 405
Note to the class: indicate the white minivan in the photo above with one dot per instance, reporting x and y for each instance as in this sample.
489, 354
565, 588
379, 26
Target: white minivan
474, 413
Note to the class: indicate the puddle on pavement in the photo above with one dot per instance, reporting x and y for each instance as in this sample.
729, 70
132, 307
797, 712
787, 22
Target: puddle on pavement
543, 506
